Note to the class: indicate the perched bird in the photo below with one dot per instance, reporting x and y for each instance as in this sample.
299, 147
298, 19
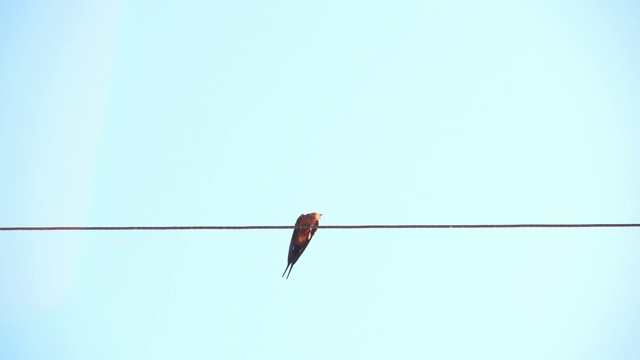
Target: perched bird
301, 238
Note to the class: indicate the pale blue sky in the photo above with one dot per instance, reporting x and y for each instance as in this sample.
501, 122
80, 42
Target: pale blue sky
251, 113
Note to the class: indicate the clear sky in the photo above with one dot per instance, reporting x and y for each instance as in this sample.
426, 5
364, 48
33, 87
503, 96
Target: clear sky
378, 112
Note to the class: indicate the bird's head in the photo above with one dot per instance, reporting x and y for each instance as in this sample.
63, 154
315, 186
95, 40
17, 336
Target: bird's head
317, 216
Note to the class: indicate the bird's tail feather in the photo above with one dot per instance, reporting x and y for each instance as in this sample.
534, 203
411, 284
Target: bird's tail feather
285, 270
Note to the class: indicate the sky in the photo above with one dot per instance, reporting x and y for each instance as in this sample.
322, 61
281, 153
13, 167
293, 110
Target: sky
370, 112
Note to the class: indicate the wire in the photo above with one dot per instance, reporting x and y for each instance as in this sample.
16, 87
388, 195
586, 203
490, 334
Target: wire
272, 227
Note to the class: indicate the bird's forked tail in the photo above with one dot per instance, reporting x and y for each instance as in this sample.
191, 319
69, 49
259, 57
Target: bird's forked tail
290, 267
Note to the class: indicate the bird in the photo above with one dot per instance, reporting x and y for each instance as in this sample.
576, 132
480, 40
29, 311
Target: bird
301, 237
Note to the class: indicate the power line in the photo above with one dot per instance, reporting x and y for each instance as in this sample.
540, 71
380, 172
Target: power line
276, 227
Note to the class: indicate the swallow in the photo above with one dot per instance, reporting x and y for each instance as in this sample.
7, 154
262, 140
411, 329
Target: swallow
301, 237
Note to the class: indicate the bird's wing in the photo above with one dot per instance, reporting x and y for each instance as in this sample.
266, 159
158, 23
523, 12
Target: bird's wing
294, 253
296, 231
